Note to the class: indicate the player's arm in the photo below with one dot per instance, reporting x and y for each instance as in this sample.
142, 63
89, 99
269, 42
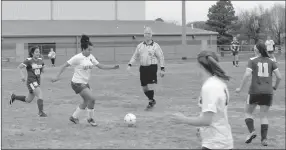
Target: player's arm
246, 76
160, 56
21, 68
278, 76
134, 56
210, 97
62, 69
102, 66
73, 61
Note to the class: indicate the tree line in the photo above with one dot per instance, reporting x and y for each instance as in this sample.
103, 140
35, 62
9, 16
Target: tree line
249, 26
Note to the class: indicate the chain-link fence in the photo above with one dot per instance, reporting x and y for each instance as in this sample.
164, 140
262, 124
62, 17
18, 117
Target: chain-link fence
115, 53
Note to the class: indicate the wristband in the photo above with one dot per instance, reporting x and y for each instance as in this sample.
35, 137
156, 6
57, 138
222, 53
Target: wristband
274, 88
163, 68
129, 65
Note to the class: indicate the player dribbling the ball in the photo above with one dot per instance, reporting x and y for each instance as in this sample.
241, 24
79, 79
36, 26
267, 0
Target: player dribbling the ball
260, 91
215, 130
83, 64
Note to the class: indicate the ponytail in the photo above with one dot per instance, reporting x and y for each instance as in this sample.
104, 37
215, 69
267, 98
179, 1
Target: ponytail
209, 61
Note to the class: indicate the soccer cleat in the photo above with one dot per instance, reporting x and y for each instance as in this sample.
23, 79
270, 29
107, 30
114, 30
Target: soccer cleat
264, 142
91, 122
250, 137
150, 105
12, 98
74, 120
42, 114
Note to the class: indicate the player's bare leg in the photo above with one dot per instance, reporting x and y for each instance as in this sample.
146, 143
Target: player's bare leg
249, 121
272, 56
77, 112
233, 62
26, 99
264, 123
236, 60
40, 102
149, 92
87, 95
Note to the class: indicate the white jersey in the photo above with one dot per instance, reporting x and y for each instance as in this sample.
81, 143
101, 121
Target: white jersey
79, 61
215, 98
269, 45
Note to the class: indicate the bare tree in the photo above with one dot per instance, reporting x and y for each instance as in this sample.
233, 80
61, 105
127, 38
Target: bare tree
277, 17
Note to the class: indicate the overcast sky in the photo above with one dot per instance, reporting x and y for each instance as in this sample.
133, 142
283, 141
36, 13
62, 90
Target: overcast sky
167, 10
195, 10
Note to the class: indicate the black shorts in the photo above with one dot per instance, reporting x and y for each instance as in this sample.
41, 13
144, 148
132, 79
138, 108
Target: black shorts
260, 99
32, 85
78, 87
234, 53
148, 74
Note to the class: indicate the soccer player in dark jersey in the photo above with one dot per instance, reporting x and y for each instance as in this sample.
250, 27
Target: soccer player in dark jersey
260, 92
34, 66
235, 48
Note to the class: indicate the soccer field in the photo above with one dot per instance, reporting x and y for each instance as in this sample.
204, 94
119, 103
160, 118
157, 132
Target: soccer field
118, 93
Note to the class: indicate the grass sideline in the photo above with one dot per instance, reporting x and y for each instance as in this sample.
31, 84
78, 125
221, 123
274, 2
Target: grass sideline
119, 93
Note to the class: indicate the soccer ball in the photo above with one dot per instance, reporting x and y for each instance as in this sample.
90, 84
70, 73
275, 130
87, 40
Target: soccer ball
130, 119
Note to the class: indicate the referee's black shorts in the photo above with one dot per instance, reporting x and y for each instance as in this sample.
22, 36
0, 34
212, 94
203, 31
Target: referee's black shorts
148, 74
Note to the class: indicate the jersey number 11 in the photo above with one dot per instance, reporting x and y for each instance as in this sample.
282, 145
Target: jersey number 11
263, 69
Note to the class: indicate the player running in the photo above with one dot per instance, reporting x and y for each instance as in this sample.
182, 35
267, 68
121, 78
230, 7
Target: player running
83, 63
235, 49
35, 67
260, 91
150, 55
215, 130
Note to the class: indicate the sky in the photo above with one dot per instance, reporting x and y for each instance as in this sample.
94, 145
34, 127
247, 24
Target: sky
167, 10
195, 10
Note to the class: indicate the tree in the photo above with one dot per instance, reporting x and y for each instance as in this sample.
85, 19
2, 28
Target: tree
277, 18
221, 17
159, 19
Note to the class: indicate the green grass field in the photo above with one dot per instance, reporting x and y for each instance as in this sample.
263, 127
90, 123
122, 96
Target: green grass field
119, 93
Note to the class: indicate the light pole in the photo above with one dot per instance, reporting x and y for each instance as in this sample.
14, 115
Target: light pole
52, 10
184, 28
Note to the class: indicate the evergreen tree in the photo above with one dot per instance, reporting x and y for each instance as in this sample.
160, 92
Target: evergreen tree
221, 19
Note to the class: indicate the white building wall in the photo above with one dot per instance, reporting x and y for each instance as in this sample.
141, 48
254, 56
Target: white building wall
73, 10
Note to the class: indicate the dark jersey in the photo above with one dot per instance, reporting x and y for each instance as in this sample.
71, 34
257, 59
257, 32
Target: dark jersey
234, 45
34, 69
262, 70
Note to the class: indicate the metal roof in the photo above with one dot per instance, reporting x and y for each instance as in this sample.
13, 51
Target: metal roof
28, 28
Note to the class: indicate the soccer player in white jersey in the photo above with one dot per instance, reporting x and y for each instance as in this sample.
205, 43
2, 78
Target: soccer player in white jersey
215, 130
83, 63
270, 47
150, 55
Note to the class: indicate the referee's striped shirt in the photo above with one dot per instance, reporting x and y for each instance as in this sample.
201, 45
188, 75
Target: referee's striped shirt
149, 54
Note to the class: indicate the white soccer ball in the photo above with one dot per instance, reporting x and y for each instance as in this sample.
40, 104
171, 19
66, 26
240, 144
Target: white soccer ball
130, 119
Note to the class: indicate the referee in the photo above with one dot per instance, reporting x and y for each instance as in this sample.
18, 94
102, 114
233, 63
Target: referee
150, 55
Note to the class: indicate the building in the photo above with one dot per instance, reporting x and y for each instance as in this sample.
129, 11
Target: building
115, 40
73, 10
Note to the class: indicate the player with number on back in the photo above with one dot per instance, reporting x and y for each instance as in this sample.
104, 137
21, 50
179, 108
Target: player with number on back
34, 66
260, 92
215, 130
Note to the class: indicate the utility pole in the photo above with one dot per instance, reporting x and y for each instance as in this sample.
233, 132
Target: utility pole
116, 10
184, 28
52, 10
